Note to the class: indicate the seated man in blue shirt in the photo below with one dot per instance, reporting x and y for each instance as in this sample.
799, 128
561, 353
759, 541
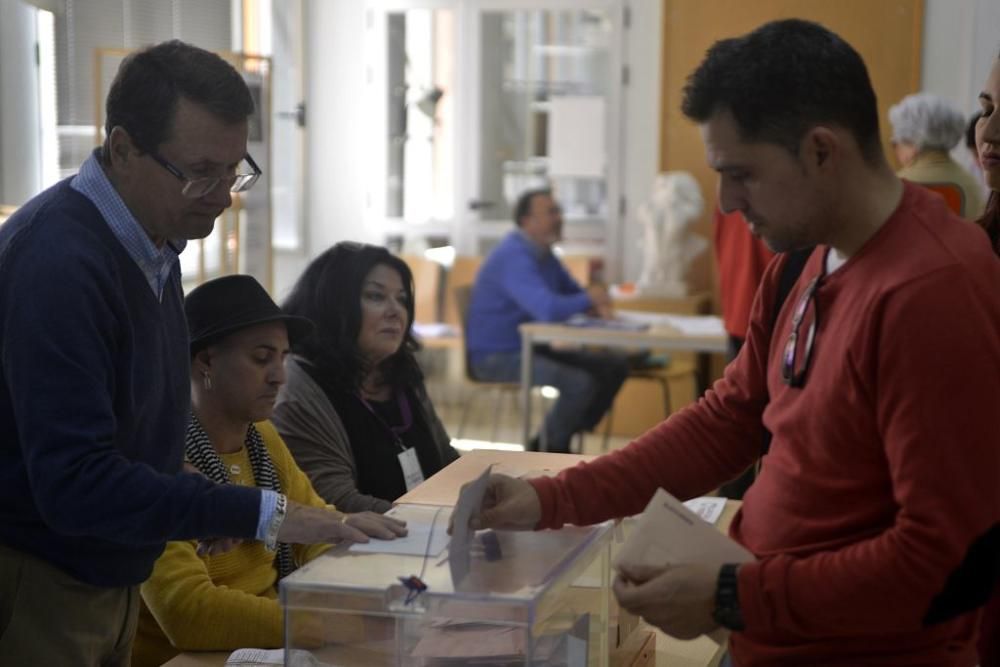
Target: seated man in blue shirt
522, 281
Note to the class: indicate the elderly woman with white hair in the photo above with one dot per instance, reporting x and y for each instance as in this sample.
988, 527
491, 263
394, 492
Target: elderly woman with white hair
924, 128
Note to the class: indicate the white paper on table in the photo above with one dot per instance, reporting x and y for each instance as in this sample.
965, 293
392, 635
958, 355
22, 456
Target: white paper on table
256, 656
615, 324
434, 330
414, 543
251, 657
708, 508
689, 325
470, 500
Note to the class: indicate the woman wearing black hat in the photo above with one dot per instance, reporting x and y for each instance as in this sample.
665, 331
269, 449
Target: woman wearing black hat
355, 412
198, 601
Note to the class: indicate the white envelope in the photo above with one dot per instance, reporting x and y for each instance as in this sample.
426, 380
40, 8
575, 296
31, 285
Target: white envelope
668, 533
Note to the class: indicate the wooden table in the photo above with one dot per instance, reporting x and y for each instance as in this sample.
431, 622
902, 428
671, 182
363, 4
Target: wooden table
443, 488
655, 338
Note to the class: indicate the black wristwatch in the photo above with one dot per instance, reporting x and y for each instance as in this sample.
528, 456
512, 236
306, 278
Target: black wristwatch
727, 600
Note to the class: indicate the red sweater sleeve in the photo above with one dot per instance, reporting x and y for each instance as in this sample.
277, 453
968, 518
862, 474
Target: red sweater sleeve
689, 454
942, 450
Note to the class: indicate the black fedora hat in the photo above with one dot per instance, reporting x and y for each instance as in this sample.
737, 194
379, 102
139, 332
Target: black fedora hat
225, 305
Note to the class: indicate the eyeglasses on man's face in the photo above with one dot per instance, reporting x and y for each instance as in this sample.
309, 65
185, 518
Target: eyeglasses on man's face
199, 187
795, 361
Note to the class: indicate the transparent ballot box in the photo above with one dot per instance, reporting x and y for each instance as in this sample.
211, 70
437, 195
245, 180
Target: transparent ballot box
498, 598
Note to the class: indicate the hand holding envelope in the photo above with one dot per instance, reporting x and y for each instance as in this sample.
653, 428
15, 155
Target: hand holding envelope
678, 599
669, 567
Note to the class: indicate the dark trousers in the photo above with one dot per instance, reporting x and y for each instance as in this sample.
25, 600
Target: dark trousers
48, 617
587, 382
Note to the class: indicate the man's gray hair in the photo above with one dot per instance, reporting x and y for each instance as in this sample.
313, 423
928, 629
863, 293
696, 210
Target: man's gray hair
927, 121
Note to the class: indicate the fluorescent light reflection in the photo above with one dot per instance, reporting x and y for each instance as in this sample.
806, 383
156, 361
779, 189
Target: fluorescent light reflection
467, 445
443, 255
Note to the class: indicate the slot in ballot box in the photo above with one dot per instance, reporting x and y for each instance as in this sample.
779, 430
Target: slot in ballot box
521, 598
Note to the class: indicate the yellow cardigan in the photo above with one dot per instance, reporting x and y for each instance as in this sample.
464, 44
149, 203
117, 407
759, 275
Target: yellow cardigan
221, 602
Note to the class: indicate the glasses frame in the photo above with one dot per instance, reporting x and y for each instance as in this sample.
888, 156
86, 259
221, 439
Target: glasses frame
789, 358
240, 182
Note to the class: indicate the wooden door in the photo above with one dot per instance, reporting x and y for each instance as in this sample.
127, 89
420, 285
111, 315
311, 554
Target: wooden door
887, 34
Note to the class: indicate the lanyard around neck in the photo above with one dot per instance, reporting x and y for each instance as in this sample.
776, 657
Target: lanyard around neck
405, 412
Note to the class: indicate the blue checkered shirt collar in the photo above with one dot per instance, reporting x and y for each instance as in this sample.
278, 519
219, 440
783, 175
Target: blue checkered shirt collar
155, 263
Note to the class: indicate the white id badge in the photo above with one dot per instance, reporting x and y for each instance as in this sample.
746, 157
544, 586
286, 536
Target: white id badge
412, 473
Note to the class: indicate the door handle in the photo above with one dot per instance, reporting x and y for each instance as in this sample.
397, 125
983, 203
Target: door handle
480, 204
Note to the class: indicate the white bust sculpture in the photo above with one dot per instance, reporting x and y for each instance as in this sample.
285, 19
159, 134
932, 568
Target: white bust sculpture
668, 245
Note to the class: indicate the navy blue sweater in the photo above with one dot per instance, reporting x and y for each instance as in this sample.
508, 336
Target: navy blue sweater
94, 401
518, 284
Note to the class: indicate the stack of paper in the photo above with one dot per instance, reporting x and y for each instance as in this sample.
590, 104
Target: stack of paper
689, 325
617, 324
423, 538
256, 657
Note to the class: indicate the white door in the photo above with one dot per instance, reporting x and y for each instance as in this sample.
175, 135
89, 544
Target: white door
474, 101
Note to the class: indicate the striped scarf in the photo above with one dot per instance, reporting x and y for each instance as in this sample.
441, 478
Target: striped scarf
200, 453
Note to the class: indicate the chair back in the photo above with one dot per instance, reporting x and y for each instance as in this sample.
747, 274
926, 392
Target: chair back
462, 296
953, 195
462, 273
579, 267
426, 287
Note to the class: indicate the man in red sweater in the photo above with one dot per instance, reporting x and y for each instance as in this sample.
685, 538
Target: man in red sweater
742, 259
876, 518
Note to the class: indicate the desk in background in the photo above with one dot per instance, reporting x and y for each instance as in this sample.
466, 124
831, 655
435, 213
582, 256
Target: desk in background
635, 409
655, 338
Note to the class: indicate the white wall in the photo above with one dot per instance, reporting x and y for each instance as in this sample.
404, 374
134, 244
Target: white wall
335, 89
960, 44
643, 49
20, 145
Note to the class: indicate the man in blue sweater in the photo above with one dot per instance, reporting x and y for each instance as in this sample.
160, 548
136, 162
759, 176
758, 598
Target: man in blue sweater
94, 378
523, 281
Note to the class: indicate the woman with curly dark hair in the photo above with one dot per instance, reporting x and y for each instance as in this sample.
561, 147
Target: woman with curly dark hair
355, 412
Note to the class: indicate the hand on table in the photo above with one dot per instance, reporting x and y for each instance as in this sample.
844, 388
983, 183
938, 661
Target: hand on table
314, 525
377, 525
601, 301
508, 504
677, 599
